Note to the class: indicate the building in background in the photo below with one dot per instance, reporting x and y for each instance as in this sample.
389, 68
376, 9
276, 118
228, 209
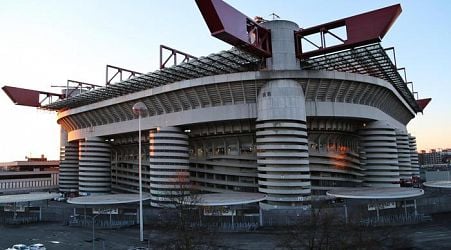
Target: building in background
277, 114
435, 164
34, 174
434, 156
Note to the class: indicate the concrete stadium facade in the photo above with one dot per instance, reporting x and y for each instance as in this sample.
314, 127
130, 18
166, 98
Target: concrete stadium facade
285, 131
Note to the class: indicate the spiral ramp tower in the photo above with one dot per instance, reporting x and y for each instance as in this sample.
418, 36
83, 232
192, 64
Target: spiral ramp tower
414, 156
381, 164
282, 150
169, 166
94, 166
405, 168
68, 176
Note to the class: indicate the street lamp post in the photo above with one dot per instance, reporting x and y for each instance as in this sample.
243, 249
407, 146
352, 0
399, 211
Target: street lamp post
139, 108
93, 230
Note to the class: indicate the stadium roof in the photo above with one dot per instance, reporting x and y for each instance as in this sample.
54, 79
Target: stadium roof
368, 60
224, 62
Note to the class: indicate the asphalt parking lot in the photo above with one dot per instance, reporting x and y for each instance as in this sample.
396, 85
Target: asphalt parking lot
431, 235
58, 236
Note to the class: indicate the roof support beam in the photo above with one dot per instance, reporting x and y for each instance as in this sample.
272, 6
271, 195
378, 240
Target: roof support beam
231, 26
363, 29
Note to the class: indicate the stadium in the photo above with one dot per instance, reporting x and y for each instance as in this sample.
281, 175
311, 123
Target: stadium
285, 113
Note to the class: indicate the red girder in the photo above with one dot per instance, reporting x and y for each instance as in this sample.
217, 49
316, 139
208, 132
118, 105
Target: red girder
233, 27
362, 29
27, 97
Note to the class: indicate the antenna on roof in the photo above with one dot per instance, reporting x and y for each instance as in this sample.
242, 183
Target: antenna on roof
274, 16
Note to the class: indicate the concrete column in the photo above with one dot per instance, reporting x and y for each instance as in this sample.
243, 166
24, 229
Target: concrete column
414, 156
169, 165
282, 148
283, 45
381, 169
94, 166
68, 170
402, 143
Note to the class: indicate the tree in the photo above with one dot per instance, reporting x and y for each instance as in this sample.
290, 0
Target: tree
185, 199
324, 230
316, 231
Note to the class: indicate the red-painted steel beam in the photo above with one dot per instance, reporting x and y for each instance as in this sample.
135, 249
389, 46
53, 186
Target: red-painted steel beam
422, 103
26, 97
233, 27
362, 29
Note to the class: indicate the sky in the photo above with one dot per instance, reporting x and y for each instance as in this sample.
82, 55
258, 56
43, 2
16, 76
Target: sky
46, 42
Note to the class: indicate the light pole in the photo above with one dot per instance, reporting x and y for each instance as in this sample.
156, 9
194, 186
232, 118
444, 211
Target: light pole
93, 230
139, 108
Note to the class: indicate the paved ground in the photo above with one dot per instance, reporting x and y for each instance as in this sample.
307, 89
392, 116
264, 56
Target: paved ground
57, 236
434, 235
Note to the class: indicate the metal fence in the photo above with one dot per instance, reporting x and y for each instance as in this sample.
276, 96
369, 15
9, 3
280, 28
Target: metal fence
350, 211
102, 221
8, 217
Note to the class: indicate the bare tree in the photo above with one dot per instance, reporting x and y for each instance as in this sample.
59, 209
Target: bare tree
185, 199
316, 231
323, 230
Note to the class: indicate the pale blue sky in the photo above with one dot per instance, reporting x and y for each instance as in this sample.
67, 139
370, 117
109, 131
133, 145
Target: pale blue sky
45, 42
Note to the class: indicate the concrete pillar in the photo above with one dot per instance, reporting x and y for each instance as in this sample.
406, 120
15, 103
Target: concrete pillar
283, 45
405, 168
381, 169
94, 166
414, 156
169, 165
68, 170
282, 147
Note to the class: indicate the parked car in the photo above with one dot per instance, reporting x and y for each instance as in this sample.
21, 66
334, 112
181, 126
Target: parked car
38, 246
19, 247
60, 197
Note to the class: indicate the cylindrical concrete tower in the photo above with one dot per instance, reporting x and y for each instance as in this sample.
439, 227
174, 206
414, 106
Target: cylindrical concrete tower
169, 166
414, 156
68, 171
381, 164
283, 45
282, 144
402, 142
95, 166
282, 147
